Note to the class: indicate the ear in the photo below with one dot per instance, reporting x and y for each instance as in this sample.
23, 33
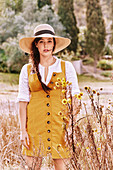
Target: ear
36, 44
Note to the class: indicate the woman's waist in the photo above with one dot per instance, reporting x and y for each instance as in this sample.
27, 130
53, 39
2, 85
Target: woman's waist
42, 94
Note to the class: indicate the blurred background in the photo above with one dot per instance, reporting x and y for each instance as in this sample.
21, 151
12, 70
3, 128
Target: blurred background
88, 23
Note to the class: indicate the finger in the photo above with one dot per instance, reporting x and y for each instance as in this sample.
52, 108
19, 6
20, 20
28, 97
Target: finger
25, 145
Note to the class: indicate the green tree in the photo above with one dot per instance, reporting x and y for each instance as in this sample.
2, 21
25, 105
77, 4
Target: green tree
15, 5
10, 24
15, 57
42, 3
95, 34
67, 17
111, 40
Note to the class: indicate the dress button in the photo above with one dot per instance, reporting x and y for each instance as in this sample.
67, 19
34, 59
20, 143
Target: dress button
49, 148
48, 139
51, 82
48, 96
48, 122
48, 113
54, 74
48, 104
48, 131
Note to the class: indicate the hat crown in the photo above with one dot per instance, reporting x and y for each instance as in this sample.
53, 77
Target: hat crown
42, 27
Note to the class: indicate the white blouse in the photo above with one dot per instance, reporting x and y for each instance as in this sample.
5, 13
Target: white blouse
24, 93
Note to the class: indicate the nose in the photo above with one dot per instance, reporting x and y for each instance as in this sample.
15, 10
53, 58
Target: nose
45, 44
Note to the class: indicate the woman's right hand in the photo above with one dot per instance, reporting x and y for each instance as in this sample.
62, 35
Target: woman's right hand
24, 138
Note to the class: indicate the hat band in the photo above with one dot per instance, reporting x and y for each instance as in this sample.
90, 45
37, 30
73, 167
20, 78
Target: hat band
44, 32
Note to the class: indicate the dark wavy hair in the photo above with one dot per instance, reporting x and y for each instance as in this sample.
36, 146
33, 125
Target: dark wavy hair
35, 58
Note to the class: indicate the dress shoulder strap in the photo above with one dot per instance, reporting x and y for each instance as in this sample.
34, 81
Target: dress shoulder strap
63, 66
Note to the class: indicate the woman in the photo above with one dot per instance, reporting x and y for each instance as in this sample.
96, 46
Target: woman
39, 102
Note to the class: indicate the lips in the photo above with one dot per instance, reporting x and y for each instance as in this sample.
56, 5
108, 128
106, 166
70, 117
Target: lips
46, 50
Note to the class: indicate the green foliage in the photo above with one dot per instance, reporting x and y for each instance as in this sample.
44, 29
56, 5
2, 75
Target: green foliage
106, 74
88, 61
10, 25
75, 58
95, 34
15, 26
15, 57
42, 3
81, 50
47, 16
3, 59
23, 23
66, 12
107, 50
15, 5
111, 39
105, 64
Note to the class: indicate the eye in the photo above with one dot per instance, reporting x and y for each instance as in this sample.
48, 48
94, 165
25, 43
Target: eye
41, 41
50, 41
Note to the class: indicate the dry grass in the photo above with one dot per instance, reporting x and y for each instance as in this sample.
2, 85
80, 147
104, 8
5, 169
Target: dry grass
90, 140
10, 145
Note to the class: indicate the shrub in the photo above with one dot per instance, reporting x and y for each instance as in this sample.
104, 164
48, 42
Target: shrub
105, 65
107, 50
3, 59
15, 57
75, 58
88, 61
106, 74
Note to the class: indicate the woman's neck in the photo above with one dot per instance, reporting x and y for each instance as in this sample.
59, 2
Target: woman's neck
47, 60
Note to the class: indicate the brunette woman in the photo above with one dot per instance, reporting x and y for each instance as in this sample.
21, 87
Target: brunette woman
39, 103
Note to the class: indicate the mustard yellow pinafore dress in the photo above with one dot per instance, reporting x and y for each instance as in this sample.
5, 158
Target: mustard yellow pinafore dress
44, 125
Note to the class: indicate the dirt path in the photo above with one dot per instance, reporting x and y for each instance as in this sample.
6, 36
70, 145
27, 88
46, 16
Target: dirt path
89, 70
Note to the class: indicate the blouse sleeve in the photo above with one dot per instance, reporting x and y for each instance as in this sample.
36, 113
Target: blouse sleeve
71, 76
24, 93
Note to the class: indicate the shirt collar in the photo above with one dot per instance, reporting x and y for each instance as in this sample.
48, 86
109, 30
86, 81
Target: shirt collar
56, 67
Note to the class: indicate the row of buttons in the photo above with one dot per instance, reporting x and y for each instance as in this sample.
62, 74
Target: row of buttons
48, 113
48, 122
51, 81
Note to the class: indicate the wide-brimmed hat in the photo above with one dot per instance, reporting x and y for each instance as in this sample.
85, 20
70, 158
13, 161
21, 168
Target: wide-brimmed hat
44, 30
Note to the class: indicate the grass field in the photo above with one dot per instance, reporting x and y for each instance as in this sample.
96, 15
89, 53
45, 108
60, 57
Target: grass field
11, 78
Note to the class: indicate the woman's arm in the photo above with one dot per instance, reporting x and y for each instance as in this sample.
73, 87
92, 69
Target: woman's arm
23, 118
71, 76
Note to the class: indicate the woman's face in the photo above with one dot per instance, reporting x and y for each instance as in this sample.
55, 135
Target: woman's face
45, 46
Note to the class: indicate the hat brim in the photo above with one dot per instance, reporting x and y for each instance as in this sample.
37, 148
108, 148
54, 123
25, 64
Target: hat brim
61, 42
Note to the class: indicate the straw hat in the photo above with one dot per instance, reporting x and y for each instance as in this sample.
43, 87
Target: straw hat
44, 30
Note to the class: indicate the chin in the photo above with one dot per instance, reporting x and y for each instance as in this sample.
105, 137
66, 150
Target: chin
48, 53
